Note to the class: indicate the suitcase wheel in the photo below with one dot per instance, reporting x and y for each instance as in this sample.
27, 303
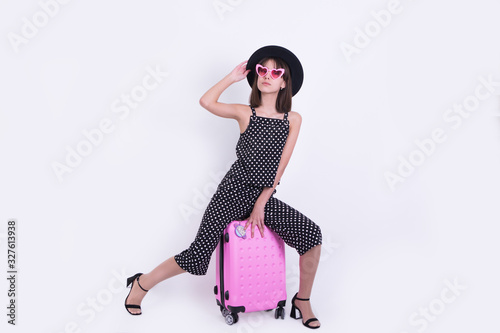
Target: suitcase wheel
224, 311
231, 318
280, 312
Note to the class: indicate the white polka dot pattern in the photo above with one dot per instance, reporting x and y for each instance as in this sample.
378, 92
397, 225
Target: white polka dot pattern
238, 191
259, 149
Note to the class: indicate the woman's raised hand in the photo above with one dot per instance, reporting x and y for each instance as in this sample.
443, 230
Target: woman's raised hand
239, 72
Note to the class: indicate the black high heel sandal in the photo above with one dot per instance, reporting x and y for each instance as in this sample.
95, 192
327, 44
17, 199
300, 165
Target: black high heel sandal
131, 280
293, 314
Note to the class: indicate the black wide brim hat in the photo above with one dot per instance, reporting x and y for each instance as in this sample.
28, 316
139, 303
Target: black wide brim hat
296, 71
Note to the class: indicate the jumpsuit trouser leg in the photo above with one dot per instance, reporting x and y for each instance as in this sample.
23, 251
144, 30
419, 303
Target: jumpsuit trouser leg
236, 203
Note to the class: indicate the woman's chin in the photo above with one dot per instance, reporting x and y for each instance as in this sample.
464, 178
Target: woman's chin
267, 90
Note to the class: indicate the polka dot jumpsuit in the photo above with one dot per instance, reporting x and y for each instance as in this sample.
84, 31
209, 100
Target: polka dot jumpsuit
258, 152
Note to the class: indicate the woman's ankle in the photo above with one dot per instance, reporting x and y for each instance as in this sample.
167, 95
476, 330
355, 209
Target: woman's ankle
144, 283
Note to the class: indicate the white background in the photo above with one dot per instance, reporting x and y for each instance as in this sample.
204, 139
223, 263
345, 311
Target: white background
139, 196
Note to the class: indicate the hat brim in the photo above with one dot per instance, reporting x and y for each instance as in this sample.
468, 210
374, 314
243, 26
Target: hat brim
296, 70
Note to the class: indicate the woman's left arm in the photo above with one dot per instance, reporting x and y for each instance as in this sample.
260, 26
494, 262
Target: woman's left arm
257, 215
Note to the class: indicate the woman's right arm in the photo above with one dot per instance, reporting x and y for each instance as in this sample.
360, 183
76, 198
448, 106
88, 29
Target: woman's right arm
209, 100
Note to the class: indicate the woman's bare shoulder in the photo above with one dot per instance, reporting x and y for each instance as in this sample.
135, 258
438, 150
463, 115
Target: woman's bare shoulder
294, 117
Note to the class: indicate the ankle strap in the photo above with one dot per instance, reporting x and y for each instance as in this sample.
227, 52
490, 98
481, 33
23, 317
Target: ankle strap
301, 299
140, 285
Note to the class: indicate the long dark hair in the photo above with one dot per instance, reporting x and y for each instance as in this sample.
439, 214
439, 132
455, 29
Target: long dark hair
284, 99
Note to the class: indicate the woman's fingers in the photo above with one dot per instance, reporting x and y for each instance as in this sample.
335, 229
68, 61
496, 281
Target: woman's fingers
253, 223
242, 67
260, 225
240, 71
250, 222
261, 229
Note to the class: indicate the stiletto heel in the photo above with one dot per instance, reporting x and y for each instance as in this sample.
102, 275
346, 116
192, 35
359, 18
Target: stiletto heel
294, 315
130, 281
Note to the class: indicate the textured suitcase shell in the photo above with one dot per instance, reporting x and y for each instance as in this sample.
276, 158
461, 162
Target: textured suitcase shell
250, 271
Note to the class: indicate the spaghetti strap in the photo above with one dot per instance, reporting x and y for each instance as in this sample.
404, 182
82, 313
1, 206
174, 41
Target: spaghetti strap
286, 116
253, 111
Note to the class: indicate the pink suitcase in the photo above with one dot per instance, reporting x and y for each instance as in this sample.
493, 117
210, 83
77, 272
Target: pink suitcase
250, 272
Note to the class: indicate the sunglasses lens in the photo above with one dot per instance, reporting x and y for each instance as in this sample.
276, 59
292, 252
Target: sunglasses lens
275, 73
262, 71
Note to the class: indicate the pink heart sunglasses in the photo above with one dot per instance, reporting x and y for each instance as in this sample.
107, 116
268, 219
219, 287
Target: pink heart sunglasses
276, 73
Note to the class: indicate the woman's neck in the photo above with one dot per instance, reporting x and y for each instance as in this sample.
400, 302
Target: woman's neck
268, 103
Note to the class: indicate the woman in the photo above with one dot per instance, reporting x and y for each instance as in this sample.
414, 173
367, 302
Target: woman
269, 130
